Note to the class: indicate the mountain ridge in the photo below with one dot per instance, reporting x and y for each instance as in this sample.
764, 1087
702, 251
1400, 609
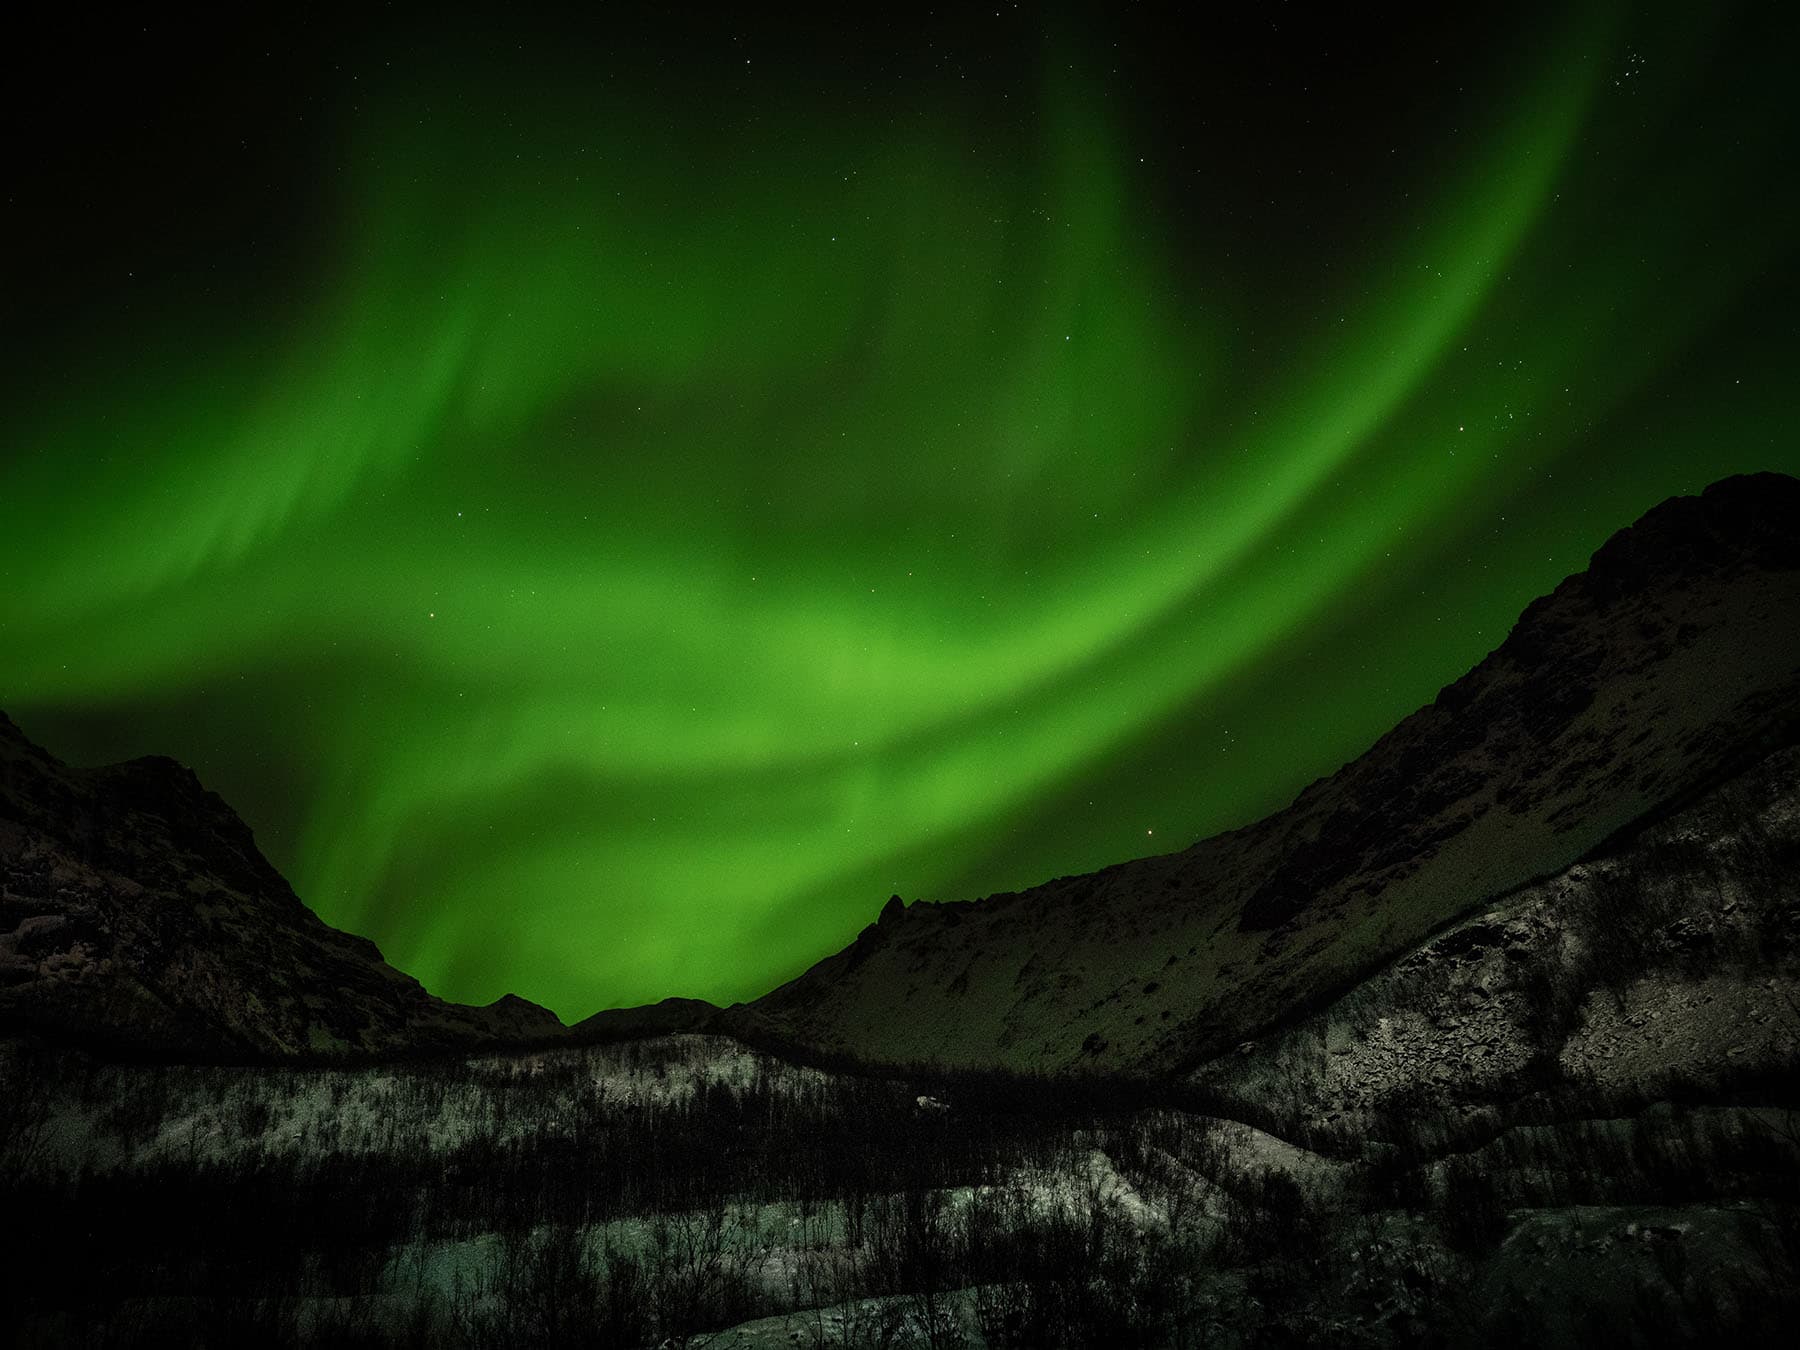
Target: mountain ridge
137, 915
1669, 662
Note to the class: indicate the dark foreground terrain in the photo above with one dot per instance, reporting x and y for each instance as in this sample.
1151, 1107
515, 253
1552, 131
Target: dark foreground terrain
1571, 1119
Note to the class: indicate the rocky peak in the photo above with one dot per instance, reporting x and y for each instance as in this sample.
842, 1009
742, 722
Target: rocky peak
1749, 520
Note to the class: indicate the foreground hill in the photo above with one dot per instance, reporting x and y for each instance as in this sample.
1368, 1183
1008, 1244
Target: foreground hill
137, 914
1671, 662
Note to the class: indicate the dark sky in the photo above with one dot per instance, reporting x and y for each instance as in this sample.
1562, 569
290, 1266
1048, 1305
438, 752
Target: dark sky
610, 498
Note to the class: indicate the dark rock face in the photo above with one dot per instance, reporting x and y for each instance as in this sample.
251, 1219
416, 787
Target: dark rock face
138, 915
1511, 734
1659, 967
1671, 663
655, 1019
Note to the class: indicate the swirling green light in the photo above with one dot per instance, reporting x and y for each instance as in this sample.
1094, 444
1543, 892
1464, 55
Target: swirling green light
649, 551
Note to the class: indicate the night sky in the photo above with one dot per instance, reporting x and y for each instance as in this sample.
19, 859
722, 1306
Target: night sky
611, 499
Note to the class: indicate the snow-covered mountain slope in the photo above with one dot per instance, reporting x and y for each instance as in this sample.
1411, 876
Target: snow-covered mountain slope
1664, 967
1671, 662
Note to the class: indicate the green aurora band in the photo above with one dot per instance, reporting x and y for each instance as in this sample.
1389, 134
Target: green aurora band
642, 551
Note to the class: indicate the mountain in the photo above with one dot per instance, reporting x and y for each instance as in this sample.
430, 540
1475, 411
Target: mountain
670, 1016
137, 914
1664, 967
1668, 665
1489, 1038
136, 911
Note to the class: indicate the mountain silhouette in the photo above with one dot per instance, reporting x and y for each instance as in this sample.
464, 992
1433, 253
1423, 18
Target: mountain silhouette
136, 911
1672, 662
137, 915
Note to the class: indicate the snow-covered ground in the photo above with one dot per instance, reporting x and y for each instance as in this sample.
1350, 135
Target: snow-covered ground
131, 1117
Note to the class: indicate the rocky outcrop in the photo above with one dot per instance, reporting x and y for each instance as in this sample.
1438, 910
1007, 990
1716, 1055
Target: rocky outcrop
1666, 966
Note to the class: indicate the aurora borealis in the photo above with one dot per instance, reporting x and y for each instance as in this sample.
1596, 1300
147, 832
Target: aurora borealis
611, 503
